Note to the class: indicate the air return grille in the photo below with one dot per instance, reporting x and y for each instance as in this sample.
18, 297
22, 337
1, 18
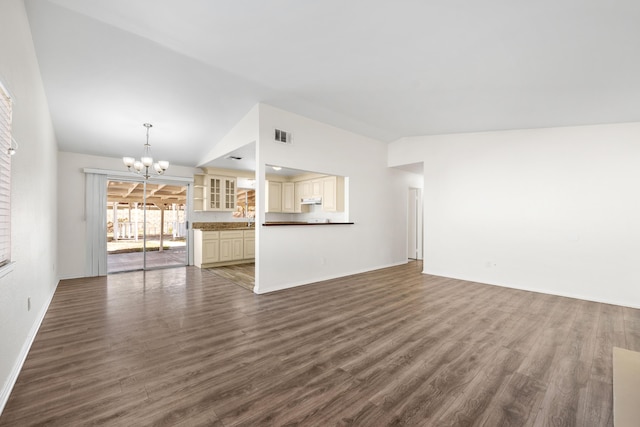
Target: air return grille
282, 136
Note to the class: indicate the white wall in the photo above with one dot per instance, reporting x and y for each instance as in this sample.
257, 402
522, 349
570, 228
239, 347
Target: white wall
33, 201
294, 255
550, 210
71, 217
243, 133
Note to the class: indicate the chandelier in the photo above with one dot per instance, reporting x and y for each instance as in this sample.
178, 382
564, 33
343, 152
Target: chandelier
141, 167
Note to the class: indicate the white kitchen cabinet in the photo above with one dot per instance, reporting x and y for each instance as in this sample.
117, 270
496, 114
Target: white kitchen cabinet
227, 247
305, 189
273, 196
288, 197
249, 244
299, 194
206, 247
316, 188
221, 192
231, 245
333, 194
214, 193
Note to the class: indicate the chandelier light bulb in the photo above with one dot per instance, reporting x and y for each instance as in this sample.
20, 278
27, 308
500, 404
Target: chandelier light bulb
164, 165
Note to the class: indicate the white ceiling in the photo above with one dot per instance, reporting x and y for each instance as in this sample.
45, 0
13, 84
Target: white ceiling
385, 69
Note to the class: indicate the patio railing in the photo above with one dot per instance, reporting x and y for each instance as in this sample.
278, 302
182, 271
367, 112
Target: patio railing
127, 230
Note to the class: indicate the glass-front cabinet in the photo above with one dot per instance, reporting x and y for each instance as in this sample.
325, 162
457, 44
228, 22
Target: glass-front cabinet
229, 194
214, 193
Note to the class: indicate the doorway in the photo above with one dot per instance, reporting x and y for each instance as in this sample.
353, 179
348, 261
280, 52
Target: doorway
414, 224
146, 225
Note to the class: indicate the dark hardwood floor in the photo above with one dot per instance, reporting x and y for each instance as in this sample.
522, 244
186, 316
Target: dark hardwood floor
392, 347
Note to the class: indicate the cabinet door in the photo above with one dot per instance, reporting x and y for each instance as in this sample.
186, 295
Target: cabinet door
333, 194
249, 248
297, 197
229, 194
288, 197
238, 249
215, 193
210, 251
273, 197
226, 249
305, 189
329, 194
316, 188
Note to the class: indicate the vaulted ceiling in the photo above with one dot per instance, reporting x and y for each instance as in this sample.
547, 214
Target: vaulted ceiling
385, 69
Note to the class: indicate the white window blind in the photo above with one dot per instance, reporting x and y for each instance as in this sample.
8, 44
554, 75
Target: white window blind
5, 177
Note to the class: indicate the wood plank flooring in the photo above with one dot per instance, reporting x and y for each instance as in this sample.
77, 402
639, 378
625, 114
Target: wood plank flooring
241, 274
185, 347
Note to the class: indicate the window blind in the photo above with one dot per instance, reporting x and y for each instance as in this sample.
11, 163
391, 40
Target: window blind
5, 177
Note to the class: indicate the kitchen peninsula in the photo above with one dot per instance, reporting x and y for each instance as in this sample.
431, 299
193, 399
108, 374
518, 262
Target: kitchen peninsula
218, 244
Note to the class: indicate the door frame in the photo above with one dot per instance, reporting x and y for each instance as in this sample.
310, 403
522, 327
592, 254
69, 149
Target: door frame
414, 228
112, 175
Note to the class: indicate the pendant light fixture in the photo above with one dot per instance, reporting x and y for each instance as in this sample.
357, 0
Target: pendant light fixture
141, 167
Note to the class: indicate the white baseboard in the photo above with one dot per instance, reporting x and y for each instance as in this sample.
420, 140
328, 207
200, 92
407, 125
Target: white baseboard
17, 367
329, 277
539, 290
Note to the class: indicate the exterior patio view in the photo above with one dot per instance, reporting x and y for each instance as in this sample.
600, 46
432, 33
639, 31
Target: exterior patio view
143, 240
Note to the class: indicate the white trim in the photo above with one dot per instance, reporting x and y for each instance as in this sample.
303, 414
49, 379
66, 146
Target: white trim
330, 277
131, 175
6, 269
538, 291
24, 352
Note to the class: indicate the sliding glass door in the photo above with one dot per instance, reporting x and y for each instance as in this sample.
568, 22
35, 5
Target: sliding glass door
146, 225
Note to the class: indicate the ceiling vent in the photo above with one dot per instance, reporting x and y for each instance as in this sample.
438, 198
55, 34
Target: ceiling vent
283, 137
233, 158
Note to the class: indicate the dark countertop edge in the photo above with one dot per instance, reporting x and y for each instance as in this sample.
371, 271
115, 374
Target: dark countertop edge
223, 229
278, 224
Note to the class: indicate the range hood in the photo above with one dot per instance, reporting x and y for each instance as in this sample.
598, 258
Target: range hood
311, 201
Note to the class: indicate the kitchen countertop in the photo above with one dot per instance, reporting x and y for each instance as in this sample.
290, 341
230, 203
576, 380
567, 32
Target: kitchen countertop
217, 226
280, 223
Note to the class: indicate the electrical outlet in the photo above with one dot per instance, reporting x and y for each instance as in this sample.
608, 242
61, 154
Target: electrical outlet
28, 303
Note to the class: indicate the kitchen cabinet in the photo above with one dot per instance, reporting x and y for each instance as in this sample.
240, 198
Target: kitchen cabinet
273, 196
305, 189
249, 244
288, 197
333, 194
299, 193
221, 192
214, 193
231, 245
316, 188
227, 247
206, 247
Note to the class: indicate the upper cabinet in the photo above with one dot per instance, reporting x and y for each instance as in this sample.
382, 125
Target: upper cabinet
333, 194
288, 197
214, 193
273, 196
